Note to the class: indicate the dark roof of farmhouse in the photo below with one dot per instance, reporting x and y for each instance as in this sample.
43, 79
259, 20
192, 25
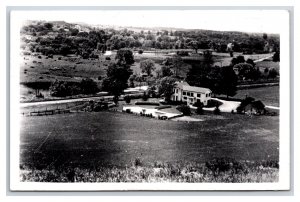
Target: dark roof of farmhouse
185, 86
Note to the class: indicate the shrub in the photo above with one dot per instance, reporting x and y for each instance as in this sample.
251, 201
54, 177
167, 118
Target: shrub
137, 162
145, 96
59, 58
107, 58
199, 110
223, 164
140, 51
147, 103
184, 109
217, 110
182, 53
213, 103
243, 104
163, 107
39, 57
127, 99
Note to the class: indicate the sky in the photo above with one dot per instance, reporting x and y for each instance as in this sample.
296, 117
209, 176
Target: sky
261, 21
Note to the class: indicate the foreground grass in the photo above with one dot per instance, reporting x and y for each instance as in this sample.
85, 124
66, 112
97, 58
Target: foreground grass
217, 170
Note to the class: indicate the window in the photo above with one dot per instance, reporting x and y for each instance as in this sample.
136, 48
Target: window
176, 90
188, 94
184, 93
206, 95
198, 95
184, 98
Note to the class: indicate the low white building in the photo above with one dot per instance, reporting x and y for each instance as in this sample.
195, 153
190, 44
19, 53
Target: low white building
156, 113
191, 94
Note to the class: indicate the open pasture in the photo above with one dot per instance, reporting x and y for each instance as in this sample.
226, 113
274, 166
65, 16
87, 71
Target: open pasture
111, 138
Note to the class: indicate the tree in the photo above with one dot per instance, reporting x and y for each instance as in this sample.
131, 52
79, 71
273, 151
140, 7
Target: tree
88, 86
240, 59
265, 36
124, 57
217, 111
204, 76
228, 83
194, 45
147, 66
250, 61
116, 79
276, 56
199, 109
273, 73
127, 99
166, 86
145, 96
244, 70
59, 89
48, 25
165, 71
131, 80
177, 64
186, 111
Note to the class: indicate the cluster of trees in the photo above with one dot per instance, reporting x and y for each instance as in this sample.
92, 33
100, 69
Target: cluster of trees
51, 38
118, 73
64, 88
247, 70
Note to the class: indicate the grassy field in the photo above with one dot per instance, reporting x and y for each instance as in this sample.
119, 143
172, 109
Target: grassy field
89, 140
268, 95
218, 170
268, 64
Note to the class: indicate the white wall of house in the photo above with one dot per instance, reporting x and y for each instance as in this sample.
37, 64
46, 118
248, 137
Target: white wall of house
190, 97
177, 94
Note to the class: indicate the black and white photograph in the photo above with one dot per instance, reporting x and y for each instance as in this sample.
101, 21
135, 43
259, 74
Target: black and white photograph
150, 100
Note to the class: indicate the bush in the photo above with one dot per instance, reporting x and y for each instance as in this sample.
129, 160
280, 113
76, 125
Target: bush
182, 53
127, 99
137, 162
243, 104
107, 58
217, 110
145, 96
140, 51
163, 107
147, 103
199, 106
186, 111
213, 103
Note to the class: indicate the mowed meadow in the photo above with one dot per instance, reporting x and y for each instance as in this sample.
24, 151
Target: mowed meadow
109, 139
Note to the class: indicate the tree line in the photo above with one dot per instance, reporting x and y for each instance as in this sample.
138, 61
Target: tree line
66, 38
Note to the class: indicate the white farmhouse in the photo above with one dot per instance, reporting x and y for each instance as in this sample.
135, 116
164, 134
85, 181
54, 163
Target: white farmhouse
191, 94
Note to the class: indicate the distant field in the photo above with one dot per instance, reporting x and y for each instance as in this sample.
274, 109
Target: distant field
268, 64
268, 95
67, 68
108, 138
